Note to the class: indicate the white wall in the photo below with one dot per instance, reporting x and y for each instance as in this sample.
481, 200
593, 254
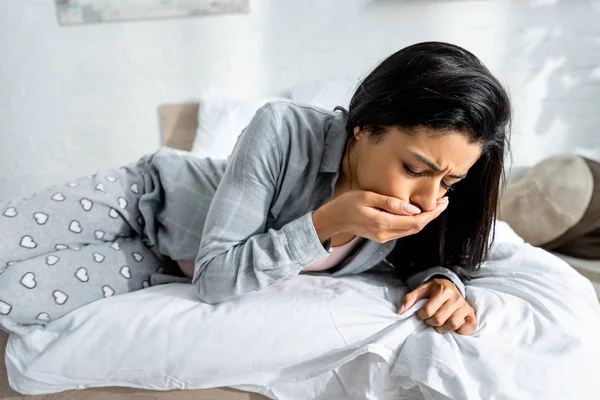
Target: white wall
74, 99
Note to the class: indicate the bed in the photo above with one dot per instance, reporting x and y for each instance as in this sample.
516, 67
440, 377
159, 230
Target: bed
178, 124
178, 128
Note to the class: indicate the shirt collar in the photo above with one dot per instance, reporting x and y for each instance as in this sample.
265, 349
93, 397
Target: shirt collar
335, 142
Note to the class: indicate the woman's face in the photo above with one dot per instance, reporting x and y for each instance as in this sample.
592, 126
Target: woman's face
418, 167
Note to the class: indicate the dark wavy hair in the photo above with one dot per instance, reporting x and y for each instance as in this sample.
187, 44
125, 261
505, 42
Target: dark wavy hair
446, 88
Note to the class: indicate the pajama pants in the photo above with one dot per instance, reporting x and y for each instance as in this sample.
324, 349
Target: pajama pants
98, 236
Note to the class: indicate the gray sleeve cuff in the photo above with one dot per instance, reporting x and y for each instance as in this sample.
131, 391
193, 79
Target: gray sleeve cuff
303, 240
422, 277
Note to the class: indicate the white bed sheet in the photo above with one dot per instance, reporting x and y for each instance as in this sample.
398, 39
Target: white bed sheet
317, 337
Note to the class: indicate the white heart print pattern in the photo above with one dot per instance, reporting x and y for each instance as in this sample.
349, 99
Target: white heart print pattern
137, 256
40, 217
135, 188
107, 291
61, 247
59, 297
98, 257
100, 188
125, 272
51, 260
28, 242
10, 212
43, 317
111, 179
5, 308
28, 280
58, 197
72, 184
87, 204
122, 203
75, 226
145, 284
99, 234
82, 275
115, 246
113, 213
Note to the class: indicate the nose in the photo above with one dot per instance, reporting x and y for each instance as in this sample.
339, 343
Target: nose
425, 196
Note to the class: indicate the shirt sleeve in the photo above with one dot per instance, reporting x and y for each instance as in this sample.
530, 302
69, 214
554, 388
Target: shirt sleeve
236, 254
422, 277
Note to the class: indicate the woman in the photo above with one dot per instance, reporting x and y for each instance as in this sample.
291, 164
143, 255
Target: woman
305, 190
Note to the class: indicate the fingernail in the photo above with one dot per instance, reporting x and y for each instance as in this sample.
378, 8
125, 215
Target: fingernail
444, 205
401, 309
409, 208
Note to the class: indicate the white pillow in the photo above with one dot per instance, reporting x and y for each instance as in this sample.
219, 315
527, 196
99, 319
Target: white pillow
164, 338
326, 94
220, 122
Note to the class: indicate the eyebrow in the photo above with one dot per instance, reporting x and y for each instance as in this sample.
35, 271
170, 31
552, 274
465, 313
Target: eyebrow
434, 166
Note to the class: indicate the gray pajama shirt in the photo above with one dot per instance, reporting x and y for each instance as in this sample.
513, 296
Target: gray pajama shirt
245, 220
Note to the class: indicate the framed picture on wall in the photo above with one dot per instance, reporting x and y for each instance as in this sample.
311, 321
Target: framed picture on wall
96, 11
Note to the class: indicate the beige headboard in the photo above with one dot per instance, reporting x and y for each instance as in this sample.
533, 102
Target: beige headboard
178, 124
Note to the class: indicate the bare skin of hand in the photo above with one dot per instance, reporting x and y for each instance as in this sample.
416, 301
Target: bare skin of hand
447, 310
373, 216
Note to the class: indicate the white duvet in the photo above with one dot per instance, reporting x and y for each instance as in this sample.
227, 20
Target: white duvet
317, 337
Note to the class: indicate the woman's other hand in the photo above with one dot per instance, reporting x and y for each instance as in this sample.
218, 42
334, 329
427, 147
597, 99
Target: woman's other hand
446, 309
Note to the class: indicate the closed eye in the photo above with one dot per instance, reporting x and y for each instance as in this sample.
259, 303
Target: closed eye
414, 174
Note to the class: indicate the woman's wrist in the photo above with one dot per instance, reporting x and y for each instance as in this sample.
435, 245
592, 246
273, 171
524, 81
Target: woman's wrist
325, 223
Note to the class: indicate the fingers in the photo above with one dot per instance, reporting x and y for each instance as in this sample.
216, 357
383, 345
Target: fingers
442, 303
448, 316
411, 224
441, 207
437, 310
388, 220
391, 204
411, 298
442, 311
469, 326
385, 226
419, 221
457, 321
